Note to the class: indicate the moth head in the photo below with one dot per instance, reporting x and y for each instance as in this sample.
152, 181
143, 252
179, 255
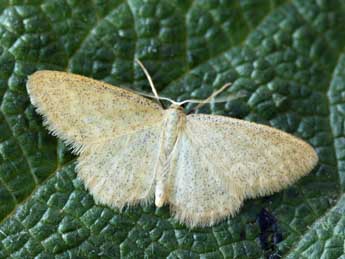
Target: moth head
176, 106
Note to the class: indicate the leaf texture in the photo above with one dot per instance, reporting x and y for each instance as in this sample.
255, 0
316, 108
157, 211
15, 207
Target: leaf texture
288, 58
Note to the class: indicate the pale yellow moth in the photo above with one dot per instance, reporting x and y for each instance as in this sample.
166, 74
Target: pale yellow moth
132, 150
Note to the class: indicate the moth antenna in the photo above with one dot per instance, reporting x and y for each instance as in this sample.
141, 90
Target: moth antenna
153, 88
214, 94
207, 100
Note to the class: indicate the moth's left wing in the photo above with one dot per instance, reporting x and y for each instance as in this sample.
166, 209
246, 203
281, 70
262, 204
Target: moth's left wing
220, 161
82, 110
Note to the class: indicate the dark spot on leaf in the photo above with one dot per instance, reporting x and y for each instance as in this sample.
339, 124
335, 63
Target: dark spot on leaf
242, 235
270, 234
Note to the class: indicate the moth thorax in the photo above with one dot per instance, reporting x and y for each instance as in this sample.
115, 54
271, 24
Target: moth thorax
174, 122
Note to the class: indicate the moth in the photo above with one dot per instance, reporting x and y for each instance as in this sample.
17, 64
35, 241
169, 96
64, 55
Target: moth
132, 151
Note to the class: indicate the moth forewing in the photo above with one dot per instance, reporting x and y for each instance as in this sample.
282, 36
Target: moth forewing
81, 110
221, 161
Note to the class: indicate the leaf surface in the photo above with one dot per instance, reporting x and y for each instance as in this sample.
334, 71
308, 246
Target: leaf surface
286, 56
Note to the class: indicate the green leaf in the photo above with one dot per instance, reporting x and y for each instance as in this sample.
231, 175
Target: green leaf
287, 56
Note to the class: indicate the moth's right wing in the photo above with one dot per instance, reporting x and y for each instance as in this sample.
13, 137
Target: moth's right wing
81, 110
220, 161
